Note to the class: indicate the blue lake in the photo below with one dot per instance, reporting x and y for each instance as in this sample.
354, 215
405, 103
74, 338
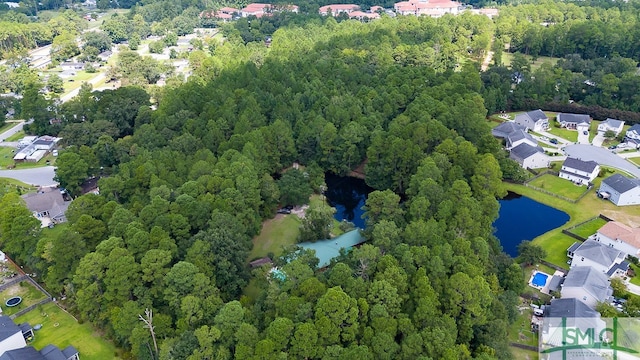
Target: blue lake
522, 218
347, 195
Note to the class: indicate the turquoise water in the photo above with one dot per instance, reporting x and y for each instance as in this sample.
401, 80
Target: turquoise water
329, 249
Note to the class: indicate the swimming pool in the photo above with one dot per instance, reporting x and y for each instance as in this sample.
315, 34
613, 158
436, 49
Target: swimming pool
539, 279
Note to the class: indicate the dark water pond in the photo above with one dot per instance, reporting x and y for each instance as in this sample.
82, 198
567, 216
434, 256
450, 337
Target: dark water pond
522, 218
347, 195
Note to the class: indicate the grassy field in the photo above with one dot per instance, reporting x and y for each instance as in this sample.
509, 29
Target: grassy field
558, 186
521, 354
589, 228
76, 81
635, 160
570, 135
520, 331
276, 233
11, 185
554, 242
636, 279
507, 57
62, 330
29, 294
15, 137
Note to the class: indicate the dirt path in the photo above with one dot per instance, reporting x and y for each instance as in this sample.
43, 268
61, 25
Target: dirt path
488, 58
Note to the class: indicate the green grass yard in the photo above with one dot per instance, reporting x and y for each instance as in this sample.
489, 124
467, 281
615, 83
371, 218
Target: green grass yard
635, 160
636, 279
558, 186
62, 330
589, 228
15, 137
520, 331
522, 354
275, 234
570, 135
29, 294
6, 160
507, 58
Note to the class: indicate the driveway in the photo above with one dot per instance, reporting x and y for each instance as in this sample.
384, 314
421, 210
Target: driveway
598, 140
602, 157
582, 138
42, 176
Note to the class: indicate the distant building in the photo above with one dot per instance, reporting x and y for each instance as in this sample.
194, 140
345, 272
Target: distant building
104, 56
578, 171
433, 8
360, 15
35, 151
620, 190
69, 66
26, 141
337, 9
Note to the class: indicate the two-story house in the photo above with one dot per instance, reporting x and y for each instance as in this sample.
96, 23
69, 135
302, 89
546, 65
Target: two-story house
632, 136
535, 120
620, 190
620, 237
611, 125
600, 257
587, 285
578, 171
530, 157
580, 122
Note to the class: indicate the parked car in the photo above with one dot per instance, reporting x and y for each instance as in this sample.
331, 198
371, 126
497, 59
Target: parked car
283, 211
612, 147
553, 141
585, 132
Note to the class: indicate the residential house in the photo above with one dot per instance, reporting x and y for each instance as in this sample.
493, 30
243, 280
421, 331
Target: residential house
611, 125
503, 130
598, 256
255, 9
104, 56
530, 157
337, 9
578, 171
535, 120
376, 9
47, 205
37, 149
568, 313
71, 66
587, 285
513, 134
620, 237
360, 15
433, 8
578, 122
620, 190
26, 141
632, 135
13, 336
49, 352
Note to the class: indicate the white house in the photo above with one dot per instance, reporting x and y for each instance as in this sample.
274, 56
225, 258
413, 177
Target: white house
433, 8
620, 236
620, 190
37, 149
633, 135
587, 285
13, 336
598, 256
578, 122
529, 157
611, 125
535, 120
578, 171
565, 314
336, 9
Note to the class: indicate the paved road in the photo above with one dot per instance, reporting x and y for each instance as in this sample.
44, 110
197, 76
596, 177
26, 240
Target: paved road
11, 131
601, 156
42, 176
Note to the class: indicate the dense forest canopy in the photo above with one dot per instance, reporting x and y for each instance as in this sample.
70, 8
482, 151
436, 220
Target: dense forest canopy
189, 184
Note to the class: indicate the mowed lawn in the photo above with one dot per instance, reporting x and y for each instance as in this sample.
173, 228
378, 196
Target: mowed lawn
554, 242
276, 233
589, 228
24, 289
556, 185
570, 135
62, 330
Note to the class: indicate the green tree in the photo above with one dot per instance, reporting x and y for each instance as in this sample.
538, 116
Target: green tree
71, 171
55, 84
530, 254
317, 223
294, 188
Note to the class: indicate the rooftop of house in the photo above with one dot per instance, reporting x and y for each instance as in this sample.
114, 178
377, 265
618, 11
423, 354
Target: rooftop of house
591, 280
8, 328
615, 230
621, 183
613, 123
577, 164
569, 308
49, 352
227, 9
506, 128
534, 115
335, 7
43, 200
574, 118
599, 253
635, 128
524, 151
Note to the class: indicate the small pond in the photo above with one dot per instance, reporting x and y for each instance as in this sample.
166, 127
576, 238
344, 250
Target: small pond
522, 218
347, 195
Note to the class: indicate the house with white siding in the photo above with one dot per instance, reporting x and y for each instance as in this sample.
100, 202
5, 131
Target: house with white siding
535, 120
620, 237
620, 190
578, 171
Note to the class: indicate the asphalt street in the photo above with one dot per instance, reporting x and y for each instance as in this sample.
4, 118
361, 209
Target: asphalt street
42, 176
601, 156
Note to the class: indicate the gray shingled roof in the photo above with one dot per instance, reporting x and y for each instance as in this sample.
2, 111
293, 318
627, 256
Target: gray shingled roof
69, 351
598, 252
556, 281
506, 128
27, 353
621, 183
536, 115
573, 163
523, 151
613, 122
569, 308
8, 328
574, 118
51, 352
574, 247
519, 135
45, 201
592, 281
635, 128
